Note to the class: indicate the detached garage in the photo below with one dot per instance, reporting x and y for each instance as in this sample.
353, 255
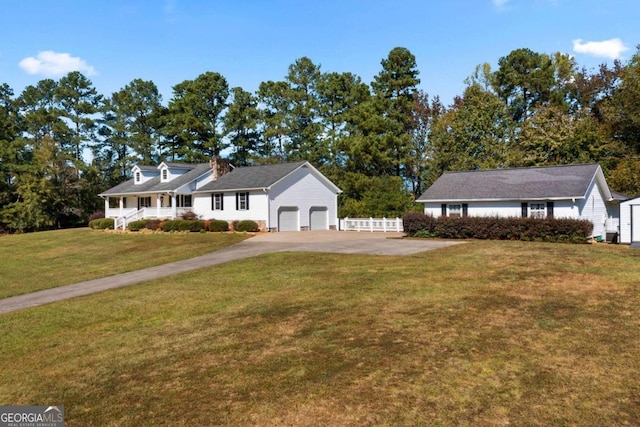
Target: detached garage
282, 197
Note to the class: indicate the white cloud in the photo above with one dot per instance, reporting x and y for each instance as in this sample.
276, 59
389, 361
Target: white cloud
52, 64
608, 48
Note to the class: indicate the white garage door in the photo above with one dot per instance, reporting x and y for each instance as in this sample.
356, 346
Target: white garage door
288, 219
319, 218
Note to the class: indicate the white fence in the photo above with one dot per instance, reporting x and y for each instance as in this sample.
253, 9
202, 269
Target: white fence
393, 225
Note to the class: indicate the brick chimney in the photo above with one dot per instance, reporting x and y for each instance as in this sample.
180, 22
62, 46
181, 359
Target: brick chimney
219, 167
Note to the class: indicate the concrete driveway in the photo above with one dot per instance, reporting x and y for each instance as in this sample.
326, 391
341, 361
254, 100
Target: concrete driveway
345, 242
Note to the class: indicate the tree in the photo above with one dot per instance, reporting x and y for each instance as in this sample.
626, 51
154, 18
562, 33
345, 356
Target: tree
338, 95
133, 119
78, 101
472, 134
425, 113
304, 130
524, 79
196, 114
394, 88
273, 96
241, 125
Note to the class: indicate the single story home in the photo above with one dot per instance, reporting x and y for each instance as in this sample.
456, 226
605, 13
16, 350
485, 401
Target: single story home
279, 197
572, 191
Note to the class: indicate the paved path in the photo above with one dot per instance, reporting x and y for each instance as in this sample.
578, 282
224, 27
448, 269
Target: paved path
347, 242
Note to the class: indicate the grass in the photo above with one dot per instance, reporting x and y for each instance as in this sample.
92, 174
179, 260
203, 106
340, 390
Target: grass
486, 333
36, 261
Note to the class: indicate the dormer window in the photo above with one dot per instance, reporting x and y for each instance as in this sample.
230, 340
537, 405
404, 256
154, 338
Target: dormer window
165, 174
137, 176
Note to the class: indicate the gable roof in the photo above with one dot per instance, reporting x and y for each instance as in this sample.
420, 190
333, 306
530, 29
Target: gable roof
154, 185
538, 183
259, 177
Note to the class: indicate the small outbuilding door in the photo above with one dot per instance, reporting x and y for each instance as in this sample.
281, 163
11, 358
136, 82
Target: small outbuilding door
319, 218
288, 219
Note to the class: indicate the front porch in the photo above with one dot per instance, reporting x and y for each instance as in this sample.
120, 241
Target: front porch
157, 206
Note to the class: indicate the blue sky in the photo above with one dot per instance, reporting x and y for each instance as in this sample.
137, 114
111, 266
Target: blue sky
250, 41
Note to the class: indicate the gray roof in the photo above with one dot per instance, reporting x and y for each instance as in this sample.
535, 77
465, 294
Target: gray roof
251, 177
155, 186
552, 182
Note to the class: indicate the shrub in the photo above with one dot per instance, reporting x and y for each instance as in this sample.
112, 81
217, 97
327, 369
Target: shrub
137, 225
183, 225
96, 215
102, 223
247, 225
414, 221
189, 216
218, 225
496, 228
153, 224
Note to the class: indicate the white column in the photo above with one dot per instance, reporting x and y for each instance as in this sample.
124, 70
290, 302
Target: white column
174, 208
158, 203
106, 207
121, 205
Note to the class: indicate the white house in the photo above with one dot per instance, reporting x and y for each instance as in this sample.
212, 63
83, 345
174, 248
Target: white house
573, 191
280, 197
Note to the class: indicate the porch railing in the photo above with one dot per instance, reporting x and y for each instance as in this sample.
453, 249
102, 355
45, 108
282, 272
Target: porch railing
130, 215
372, 224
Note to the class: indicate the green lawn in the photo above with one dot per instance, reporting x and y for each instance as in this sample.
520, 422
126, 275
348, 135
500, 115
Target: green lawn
481, 334
35, 261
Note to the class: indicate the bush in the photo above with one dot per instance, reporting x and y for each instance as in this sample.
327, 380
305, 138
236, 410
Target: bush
183, 225
153, 224
496, 228
247, 225
218, 225
137, 225
414, 221
96, 215
189, 216
102, 224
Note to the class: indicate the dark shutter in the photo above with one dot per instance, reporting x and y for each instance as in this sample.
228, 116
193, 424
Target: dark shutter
525, 207
444, 209
213, 202
549, 209
247, 200
465, 210
237, 201
221, 201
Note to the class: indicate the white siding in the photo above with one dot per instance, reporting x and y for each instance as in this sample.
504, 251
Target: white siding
593, 208
304, 190
626, 224
505, 209
258, 207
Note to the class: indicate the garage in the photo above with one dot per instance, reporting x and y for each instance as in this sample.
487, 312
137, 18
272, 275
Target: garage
288, 219
319, 218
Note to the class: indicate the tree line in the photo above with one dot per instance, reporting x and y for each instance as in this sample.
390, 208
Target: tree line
383, 143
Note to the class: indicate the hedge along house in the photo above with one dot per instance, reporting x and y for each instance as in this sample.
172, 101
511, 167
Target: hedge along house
282, 197
573, 191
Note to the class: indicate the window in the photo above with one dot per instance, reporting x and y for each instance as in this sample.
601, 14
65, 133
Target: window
144, 202
537, 210
183, 200
455, 210
164, 174
137, 176
217, 202
242, 201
